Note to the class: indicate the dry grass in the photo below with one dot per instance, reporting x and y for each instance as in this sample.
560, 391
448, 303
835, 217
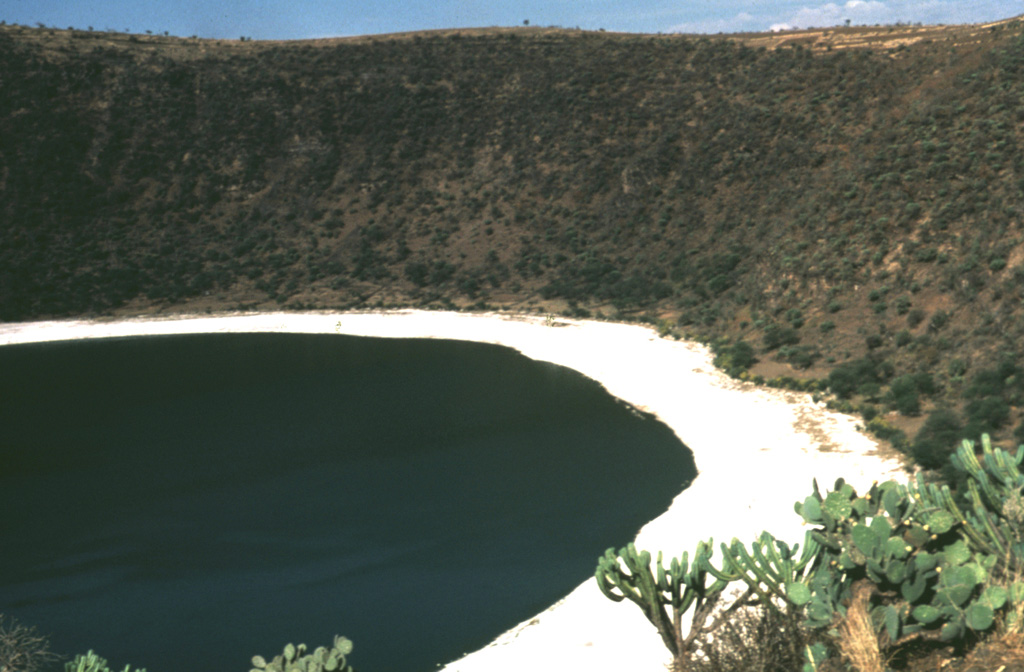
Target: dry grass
1005, 653
755, 639
22, 649
1011, 626
858, 642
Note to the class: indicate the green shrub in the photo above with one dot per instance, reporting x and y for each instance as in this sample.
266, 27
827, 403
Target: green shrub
987, 383
800, 356
903, 396
915, 317
883, 430
937, 438
940, 319
776, 336
987, 414
734, 358
925, 383
846, 378
795, 384
417, 272
870, 390
841, 406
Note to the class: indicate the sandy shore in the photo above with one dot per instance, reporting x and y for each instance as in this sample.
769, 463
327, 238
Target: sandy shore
757, 451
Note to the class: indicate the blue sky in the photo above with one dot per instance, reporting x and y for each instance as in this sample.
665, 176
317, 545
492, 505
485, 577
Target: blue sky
296, 19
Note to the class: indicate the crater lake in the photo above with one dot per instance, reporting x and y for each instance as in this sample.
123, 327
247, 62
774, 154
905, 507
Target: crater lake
187, 502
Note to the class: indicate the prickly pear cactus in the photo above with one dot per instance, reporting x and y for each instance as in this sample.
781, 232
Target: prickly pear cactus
295, 659
90, 662
936, 569
922, 562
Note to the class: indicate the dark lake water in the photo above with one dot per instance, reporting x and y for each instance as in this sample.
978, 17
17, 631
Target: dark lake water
186, 502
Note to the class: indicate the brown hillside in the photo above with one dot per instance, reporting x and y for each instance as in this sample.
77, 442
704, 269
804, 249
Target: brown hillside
843, 197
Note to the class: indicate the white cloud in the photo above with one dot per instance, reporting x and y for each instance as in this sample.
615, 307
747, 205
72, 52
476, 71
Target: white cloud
831, 14
872, 12
751, 15
742, 22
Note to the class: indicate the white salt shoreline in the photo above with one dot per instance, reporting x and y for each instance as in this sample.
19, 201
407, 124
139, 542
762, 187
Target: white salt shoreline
757, 451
